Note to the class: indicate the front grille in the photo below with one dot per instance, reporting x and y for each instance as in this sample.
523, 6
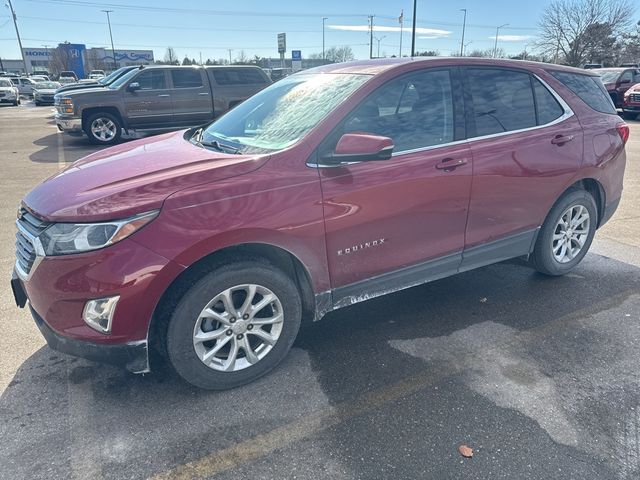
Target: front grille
634, 97
47, 98
25, 249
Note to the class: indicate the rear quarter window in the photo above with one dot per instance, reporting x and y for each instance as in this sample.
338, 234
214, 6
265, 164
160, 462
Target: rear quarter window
238, 76
589, 89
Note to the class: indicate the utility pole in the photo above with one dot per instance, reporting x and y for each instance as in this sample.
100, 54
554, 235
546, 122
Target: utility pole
413, 30
230, 50
401, 20
464, 25
200, 58
15, 24
495, 45
370, 36
379, 40
324, 19
113, 50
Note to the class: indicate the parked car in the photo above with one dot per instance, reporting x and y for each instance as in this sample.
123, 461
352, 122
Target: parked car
24, 85
40, 78
591, 66
617, 81
9, 92
330, 187
630, 65
43, 92
68, 74
96, 74
156, 98
631, 103
66, 80
102, 82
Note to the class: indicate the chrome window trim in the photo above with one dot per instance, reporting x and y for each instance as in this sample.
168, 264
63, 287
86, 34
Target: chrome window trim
24, 276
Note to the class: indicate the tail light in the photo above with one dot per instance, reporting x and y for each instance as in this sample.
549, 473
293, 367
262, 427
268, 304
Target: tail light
623, 131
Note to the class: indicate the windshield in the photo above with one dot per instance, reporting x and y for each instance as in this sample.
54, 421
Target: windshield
5, 83
49, 85
112, 76
123, 79
283, 113
609, 76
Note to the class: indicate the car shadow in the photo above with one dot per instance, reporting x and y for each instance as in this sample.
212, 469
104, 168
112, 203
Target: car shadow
63, 149
137, 425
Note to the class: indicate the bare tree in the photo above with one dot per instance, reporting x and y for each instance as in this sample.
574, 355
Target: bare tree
428, 53
573, 29
339, 54
60, 60
170, 56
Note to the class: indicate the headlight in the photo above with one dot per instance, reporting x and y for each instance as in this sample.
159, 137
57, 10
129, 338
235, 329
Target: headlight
66, 101
67, 238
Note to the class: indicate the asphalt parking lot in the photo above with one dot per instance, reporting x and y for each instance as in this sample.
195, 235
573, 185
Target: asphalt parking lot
539, 376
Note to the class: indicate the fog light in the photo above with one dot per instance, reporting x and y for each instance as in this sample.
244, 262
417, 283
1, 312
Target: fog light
98, 313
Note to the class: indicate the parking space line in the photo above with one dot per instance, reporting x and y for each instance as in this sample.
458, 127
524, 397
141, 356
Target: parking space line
261, 445
62, 159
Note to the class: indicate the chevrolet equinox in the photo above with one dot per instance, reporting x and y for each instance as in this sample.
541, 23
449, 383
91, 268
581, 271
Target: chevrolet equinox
330, 187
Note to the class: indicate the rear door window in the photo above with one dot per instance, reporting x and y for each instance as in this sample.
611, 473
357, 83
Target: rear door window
589, 89
547, 107
186, 78
237, 76
502, 100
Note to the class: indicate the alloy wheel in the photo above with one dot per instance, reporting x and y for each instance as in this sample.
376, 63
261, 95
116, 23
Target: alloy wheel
103, 129
571, 233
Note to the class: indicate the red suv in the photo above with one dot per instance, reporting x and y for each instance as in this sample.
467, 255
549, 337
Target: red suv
330, 187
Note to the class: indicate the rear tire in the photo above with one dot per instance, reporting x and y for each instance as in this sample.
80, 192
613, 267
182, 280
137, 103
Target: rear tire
566, 235
103, 128
213, 320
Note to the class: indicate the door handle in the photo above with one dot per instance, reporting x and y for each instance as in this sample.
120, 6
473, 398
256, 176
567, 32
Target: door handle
450, 164
203, 94
561, 139
164, 95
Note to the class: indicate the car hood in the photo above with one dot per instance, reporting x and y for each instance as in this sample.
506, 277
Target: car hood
7, 89
89, 91
132, 178
46, 91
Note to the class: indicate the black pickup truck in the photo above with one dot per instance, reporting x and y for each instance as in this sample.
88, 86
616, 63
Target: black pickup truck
156, 98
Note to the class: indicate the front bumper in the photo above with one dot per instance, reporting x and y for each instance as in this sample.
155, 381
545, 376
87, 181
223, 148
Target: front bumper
69, 124
8, 98
133, 356
631, 108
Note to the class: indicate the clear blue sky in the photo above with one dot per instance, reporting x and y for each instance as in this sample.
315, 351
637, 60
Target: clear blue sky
212, 28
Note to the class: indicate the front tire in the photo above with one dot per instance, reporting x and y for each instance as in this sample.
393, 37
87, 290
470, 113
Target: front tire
234, 325
103, 128
566, 235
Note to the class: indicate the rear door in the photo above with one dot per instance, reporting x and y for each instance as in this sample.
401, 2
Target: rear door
150, 106
191, 97
526, 145
410, 210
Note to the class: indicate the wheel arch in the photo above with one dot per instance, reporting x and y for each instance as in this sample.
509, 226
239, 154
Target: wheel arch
111, 110
274, 255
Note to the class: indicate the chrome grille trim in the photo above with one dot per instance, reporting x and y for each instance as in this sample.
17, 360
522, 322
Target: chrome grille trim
29, 251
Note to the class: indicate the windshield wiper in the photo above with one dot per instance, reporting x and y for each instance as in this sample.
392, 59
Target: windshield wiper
197, 138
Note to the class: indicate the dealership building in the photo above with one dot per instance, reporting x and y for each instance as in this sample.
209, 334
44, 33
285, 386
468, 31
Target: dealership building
77, 58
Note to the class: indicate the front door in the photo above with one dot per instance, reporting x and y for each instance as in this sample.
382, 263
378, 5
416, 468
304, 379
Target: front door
150, 105
402, 218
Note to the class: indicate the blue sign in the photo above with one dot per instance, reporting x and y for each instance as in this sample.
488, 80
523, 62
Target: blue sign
296, 55
75, 57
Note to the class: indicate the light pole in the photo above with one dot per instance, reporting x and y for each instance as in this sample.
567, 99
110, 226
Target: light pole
495, 45
370, 36
464, 50
401, 21
46, 53
379, 40
324, 19
413, 29
15, 24
113, 50
230, 50
464, 26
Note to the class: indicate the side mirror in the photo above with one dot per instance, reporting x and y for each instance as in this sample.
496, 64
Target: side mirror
360, 147
133, 86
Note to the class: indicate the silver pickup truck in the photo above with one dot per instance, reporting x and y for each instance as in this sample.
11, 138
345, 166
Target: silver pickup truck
156, 98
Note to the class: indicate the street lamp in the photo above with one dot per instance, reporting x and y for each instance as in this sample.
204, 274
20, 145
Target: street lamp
324, 19
464, 26
379, 40
495, 45
413, 29
113, 50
